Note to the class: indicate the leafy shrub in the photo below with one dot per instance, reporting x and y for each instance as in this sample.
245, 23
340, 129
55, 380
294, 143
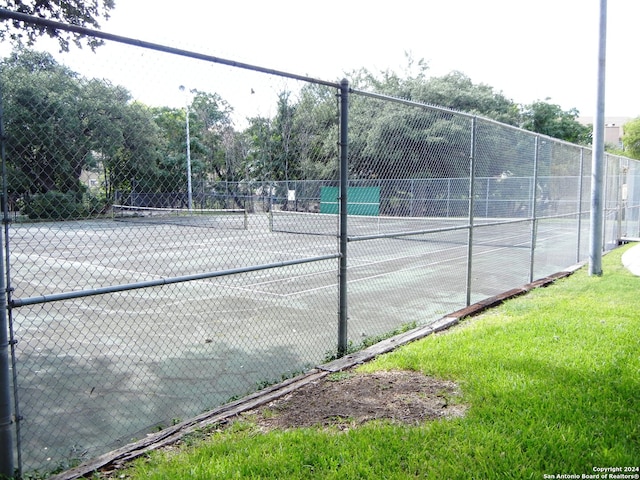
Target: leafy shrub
95, 205
54, 205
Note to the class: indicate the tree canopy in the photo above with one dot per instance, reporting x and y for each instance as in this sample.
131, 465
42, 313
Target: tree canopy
455, 91
60, 124
76, 12
631, 138
549, 119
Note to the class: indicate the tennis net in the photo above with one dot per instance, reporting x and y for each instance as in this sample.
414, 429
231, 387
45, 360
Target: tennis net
234, 219
358, 225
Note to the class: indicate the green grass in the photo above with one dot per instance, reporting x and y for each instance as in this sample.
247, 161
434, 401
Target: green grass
551, 380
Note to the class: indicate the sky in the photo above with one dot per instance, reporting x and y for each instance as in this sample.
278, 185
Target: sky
528, 50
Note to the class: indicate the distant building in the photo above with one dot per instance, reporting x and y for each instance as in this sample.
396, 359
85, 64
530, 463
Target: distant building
613, 129
90, 179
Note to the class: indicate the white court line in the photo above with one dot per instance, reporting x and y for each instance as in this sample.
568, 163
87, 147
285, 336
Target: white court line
334, 285
92, 268
393, 259
251, 287
464, 246
442, 261
89, 267
161, 309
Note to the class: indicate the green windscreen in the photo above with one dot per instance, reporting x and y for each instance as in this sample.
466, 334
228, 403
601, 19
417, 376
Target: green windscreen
360, 200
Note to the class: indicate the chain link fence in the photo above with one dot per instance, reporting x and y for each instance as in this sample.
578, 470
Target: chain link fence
162, 260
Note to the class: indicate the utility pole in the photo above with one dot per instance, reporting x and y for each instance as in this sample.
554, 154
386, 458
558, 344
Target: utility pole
597, 166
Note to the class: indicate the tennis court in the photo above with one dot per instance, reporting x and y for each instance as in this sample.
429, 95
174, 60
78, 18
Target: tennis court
170, 351
164, 352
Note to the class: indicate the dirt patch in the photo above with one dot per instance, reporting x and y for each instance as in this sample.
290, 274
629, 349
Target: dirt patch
345, 400
349, 398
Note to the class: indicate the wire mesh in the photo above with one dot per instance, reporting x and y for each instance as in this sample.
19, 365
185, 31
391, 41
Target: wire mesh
172, 248
112, 368
631, 201
146, 284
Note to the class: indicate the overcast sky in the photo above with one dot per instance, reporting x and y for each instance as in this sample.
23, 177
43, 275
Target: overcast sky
529, 50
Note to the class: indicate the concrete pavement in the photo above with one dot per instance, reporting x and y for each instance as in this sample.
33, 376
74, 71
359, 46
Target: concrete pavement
631, 259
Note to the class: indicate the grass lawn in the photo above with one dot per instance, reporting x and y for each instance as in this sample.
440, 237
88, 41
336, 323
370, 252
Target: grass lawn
551, 381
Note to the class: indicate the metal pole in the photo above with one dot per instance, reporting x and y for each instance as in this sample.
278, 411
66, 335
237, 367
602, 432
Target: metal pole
6, 420
472, 181
486, 199
622, 169
344, 183
604, 194
57, 297
580, 187
189, 189
534, 209
595, 240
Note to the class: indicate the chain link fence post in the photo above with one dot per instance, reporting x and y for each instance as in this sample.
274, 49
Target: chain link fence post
6, 444
534, 210
472, 181
344, 182
580, 200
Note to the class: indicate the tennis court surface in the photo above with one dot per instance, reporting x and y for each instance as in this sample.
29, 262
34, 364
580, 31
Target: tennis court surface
167, 352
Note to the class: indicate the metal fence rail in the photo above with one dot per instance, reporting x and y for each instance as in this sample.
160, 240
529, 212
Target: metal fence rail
161, 260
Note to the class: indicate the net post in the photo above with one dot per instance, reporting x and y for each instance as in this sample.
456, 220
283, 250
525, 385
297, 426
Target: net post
344, 182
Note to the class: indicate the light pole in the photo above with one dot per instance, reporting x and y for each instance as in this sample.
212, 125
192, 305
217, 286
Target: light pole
597, 162
189, 190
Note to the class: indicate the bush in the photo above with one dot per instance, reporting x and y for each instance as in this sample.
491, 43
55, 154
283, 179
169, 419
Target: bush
54, 205
94, 205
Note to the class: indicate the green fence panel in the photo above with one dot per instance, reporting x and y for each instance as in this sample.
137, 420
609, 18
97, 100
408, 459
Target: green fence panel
361, 200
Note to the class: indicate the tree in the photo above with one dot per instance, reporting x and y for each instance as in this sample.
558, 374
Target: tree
315, 130
392, 141
59, 124
45, 126
210, 123
135, 165
396, 141
172, 158
210, 147
457, 92
75, 12
300, 141
631, 138
276, 141
122, 134
549, 119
